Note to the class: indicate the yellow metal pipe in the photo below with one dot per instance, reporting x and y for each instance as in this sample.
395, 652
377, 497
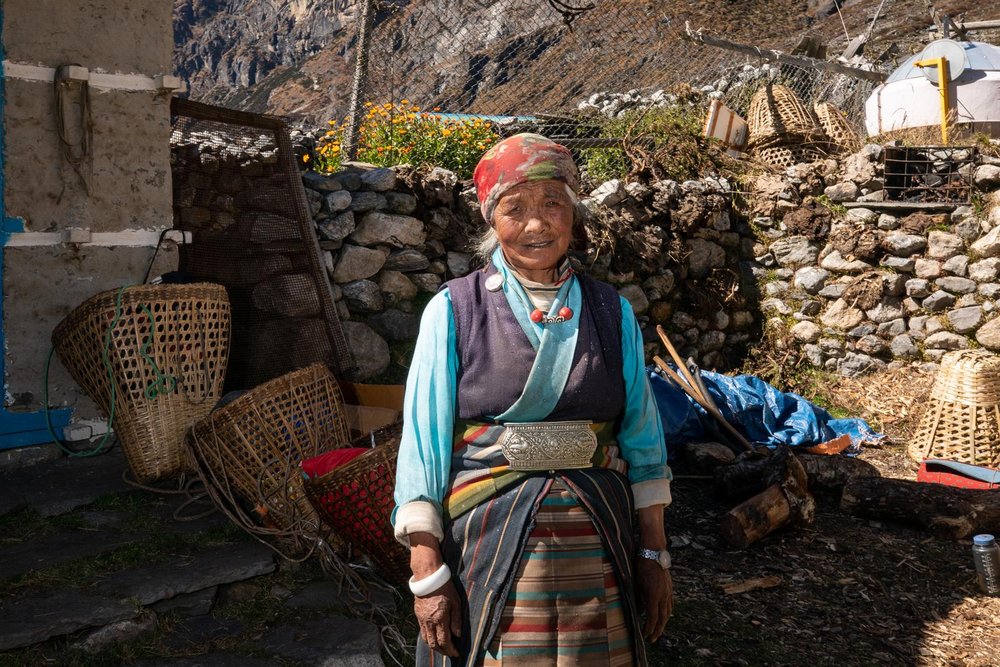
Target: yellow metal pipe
942, 67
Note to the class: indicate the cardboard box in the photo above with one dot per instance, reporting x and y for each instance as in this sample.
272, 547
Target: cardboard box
363, 419
374, 395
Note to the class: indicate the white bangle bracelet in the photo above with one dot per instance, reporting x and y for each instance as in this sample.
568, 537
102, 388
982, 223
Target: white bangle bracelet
428, 585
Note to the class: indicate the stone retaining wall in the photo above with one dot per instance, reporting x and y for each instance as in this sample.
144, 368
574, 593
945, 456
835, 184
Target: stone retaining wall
861, 287
391, 237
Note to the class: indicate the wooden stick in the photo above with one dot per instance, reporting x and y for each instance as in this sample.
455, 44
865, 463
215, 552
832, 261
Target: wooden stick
662, 365
681, 366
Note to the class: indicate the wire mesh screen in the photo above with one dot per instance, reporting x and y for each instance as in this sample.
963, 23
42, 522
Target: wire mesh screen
237, 189
546, 65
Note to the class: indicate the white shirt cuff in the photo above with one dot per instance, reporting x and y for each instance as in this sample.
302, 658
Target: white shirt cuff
651, 492
418, 516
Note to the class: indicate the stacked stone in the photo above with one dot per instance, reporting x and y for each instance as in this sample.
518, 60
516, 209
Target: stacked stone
390, 237
673, 240
379, 256
859, 289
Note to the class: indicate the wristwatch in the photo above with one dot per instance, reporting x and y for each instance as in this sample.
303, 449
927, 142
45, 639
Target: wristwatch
661, 557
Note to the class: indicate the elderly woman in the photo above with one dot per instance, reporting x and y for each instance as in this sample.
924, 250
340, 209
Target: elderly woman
531, 443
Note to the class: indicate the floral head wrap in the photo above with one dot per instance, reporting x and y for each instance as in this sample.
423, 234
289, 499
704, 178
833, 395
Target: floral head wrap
520, 159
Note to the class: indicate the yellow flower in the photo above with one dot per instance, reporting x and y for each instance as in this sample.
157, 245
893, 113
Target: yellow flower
387, 106
404, 102
368, 104
445, 132
305, 158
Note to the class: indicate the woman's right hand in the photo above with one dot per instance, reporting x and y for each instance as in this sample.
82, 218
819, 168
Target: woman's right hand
439, 614
440, 618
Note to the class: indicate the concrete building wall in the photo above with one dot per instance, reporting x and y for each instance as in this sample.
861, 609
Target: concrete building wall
44, 275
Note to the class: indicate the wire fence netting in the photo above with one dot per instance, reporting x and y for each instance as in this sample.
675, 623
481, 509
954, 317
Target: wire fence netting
551, 65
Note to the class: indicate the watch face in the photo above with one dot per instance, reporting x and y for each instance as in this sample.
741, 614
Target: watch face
664, 559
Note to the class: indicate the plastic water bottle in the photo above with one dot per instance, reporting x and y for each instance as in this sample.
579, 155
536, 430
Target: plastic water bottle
986, 555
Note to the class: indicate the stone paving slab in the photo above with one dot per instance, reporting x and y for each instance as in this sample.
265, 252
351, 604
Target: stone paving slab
58, 487
36, 618
329, 642
220, 565
215, 659
59, 548
28, 621
187, 634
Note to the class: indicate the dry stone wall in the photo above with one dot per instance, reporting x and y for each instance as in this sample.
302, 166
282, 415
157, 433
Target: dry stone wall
857, 286
391, 237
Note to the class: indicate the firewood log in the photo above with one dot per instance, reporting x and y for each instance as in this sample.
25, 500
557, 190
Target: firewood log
944, 510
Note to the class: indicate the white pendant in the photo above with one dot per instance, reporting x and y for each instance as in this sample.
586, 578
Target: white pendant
494, 282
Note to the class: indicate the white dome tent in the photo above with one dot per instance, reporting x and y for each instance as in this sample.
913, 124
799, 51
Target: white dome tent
910, 99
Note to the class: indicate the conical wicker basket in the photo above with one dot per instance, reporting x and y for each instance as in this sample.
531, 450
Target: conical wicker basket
840, 133
167, 348
962, 422
786, 155
778, 116
250, 449
356, 501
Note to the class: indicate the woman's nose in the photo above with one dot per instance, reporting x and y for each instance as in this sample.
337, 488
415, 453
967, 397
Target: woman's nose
536, 221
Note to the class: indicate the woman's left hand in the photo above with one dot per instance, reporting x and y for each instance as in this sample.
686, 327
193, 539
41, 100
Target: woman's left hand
657, 591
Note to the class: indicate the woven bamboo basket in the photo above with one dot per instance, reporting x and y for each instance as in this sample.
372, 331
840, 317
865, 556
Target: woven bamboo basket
167, 349
356, 500
962, 422
253, 445
840, 133
776, 114
784, 156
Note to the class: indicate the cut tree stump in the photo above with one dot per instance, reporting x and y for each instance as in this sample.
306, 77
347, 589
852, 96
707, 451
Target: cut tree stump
785, 500
944, 510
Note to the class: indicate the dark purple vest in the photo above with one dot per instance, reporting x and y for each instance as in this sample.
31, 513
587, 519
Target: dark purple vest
495, 356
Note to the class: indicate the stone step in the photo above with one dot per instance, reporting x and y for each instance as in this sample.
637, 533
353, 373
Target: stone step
33, 619
335, 641
56, 549
58, 487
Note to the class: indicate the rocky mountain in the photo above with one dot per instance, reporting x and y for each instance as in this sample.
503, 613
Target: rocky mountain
227, 47
295, 57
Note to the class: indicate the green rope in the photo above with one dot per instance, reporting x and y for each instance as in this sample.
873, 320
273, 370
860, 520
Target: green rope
165, 383
111, 379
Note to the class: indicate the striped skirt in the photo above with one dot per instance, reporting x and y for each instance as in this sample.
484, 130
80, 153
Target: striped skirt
564, 607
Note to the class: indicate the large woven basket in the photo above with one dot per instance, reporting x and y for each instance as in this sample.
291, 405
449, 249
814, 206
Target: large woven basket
776, 114
253, 446
167, 372
786, 155
842, 136
356, 500
962, 422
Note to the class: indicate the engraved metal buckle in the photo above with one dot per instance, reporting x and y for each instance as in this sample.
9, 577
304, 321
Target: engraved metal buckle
549, 445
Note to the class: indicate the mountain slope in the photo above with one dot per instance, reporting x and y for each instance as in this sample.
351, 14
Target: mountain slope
295, 57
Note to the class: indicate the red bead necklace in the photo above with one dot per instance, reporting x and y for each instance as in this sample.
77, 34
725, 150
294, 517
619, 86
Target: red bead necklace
538, 317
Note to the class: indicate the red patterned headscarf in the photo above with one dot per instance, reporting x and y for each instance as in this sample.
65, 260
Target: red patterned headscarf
520, 159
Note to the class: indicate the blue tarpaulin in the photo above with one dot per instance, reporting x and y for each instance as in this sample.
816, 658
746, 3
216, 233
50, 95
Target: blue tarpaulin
764, 415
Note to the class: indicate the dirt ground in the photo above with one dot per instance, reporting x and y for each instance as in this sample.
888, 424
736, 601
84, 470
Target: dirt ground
842, 591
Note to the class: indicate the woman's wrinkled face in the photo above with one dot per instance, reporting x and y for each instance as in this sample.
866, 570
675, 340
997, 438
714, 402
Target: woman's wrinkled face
534, 224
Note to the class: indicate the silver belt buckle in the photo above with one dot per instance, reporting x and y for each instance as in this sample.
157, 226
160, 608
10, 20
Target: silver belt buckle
549, 445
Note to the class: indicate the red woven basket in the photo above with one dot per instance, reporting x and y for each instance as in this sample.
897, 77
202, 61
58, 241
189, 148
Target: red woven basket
355, 500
